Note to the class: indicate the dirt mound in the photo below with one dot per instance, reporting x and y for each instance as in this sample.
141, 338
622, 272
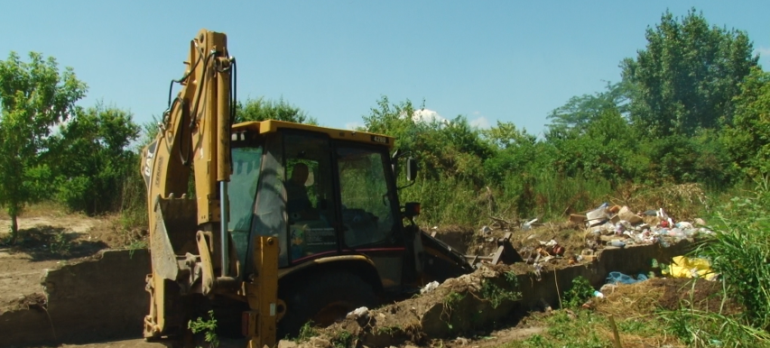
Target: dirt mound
665, 293
460, 305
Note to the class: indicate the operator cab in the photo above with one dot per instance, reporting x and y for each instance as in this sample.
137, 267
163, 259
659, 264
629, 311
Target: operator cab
321, 193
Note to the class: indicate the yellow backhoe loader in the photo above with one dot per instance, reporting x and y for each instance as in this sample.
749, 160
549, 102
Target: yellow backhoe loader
286, 223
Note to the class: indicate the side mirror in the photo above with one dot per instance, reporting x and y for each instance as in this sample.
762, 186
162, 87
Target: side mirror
411, 169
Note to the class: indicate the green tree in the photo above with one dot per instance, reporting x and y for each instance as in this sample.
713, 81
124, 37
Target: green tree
687, 75
581, 110
514, 151
748, 138
445, 148
390, 118
261, 109
34, 96
605, 148
91, 159
677, 159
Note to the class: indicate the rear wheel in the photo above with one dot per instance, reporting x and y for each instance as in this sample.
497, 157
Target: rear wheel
323, 299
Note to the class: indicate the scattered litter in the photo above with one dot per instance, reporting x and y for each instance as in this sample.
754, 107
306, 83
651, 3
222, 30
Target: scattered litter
429, 287
620, 227
626, 214
360, 312
608, 288
617, 277
577, 218
686, 267
528, 225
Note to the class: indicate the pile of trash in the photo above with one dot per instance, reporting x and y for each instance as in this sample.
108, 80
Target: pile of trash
618, 226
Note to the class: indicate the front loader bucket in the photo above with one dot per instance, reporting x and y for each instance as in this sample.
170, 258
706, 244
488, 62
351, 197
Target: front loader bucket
444, 262
505, 253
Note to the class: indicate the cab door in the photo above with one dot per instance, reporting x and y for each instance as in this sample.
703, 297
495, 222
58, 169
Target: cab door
369, 209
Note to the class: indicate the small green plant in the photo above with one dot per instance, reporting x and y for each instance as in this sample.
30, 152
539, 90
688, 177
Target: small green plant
60, 244
496, 294
343, 339
579, 293
388, 330
511, 278
306, 332
536, 341
136, 245
207, 327
452, 299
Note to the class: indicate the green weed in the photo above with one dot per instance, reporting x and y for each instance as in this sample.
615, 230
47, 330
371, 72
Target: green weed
343, 339
306, 332
452, 299
497, 294
388, 330
207, 327
739, 251
60, 244
708, 329
136, 245
579, 293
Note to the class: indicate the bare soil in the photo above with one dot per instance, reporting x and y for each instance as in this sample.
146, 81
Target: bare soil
47, 239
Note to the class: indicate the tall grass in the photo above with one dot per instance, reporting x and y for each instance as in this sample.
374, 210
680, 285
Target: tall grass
556, 195
448, 201
739, 251
133, 207
545, 195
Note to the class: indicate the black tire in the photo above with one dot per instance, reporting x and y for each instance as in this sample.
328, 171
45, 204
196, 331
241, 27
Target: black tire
323, 298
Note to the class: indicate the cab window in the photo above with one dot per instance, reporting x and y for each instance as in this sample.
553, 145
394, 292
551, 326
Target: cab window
367, 212
310, 203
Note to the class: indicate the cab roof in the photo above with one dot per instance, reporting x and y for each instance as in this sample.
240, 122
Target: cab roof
272, 126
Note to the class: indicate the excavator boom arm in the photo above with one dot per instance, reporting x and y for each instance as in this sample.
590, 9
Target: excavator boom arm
195, 129
193, 137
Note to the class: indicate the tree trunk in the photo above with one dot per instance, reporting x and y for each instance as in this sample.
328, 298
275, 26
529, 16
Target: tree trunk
14, 229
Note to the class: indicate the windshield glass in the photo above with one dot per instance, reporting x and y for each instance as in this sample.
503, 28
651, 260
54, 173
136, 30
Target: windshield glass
241, 192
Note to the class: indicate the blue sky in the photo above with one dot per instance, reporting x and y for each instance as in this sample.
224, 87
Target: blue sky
487, 60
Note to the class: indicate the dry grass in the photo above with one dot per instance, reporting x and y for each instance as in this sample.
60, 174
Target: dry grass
683, 201
42, 209
631, 301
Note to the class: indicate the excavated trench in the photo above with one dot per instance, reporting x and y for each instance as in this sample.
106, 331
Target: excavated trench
104, 298
99, 299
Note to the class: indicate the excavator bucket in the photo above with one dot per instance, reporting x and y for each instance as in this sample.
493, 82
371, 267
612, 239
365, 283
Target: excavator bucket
505, 253
444, 261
